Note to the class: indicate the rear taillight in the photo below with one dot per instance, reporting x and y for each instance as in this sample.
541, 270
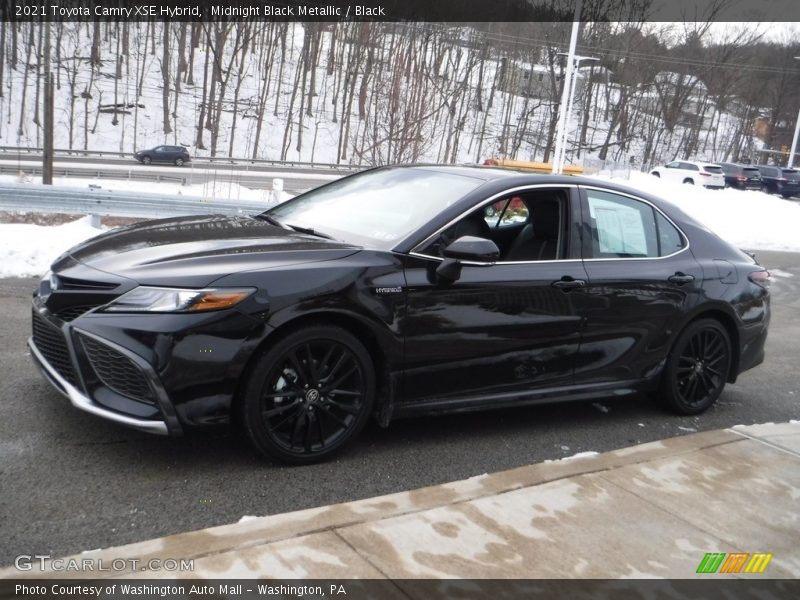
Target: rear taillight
741, 178
705, 174
761, 278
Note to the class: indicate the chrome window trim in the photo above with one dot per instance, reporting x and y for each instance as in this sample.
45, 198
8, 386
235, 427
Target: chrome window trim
564, 186
639, 199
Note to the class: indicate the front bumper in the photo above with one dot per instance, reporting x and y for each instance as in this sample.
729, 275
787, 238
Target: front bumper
82, 402
109, 381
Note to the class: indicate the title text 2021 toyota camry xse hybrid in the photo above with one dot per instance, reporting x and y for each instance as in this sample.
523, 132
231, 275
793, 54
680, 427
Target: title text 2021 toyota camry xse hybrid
398, 291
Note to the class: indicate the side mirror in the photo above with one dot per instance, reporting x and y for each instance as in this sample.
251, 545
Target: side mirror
465, 248
473, 249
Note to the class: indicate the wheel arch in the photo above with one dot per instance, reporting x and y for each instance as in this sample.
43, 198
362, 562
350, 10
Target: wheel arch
361, 328
728, 321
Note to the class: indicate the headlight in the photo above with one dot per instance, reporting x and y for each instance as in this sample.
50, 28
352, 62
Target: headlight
168, 300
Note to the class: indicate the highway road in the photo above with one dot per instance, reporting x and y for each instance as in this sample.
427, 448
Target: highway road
71, 482
296, 179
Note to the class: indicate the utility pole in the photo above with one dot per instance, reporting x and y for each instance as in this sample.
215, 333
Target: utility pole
793, 151
47, 153
566, 92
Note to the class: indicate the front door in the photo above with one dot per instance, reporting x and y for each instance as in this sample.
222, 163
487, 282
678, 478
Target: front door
504, 329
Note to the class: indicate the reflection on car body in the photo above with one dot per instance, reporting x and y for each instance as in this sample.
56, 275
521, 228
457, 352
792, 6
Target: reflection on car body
396, 292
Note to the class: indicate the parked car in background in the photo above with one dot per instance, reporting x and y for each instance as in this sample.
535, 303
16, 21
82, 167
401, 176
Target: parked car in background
780, 180
692, 172
395, 292
741, 177
176, 155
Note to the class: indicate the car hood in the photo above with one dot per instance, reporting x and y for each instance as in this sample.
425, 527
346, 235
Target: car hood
194, 251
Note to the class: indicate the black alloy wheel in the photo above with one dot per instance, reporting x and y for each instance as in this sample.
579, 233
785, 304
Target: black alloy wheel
308, 395
697, 368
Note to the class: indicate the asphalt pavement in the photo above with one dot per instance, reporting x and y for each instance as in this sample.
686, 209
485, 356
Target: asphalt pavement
70, 482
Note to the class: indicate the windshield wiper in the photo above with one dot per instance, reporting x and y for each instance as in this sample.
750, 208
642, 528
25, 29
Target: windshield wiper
270, 219
309, 231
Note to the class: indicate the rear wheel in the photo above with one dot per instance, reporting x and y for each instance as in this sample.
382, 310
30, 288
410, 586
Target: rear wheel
697, 367
689, 181
308, 395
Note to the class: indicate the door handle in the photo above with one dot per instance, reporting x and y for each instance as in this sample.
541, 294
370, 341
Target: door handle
567, 283
681, 278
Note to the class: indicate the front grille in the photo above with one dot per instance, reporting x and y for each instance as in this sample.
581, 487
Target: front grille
116, 371
71, 313
68, 283
50, 342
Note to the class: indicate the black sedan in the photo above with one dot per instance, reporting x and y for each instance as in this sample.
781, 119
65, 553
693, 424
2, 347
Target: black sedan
175, 155
399, 291
741, 177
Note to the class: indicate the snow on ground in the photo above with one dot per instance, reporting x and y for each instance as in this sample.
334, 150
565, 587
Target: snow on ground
28, 250
748, 219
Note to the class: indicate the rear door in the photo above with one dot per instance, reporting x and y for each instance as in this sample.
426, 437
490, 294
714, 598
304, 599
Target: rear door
642, 278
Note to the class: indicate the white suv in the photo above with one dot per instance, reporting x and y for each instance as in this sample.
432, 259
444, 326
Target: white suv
692, 172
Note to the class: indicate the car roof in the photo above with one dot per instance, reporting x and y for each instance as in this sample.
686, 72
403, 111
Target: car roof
491, 173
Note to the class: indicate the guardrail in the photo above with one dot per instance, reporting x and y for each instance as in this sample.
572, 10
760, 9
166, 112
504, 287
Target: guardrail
87, 201
197, 159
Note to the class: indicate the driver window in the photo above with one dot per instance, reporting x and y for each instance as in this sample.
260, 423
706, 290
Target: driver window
526, 226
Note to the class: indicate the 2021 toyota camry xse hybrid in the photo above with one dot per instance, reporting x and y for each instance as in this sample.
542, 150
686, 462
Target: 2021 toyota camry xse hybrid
394, 292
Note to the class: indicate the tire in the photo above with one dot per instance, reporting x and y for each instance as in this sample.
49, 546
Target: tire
178, 162
689, 181
656, 174
786, 196
146, 160
697, 368
292, 410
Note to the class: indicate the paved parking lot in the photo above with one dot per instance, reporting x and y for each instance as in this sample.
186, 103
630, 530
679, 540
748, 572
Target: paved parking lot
70, 482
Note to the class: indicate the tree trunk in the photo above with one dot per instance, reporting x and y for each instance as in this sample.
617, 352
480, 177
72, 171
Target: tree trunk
165, 80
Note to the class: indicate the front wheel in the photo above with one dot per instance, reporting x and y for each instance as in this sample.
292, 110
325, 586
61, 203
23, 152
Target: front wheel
178, 162
308, 395
697, 367
655, 174
146, 160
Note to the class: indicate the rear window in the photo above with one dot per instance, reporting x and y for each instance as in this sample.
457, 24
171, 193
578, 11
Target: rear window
769, 171
791, 174
712, 168
730, 169
750, 171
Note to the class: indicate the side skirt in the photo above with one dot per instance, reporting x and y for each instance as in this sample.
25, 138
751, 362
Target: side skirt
509, 399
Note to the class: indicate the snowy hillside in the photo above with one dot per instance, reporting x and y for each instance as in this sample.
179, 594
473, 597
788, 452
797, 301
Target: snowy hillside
368, 93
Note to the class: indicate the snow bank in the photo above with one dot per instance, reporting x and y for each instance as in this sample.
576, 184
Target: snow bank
748, 219
28, 250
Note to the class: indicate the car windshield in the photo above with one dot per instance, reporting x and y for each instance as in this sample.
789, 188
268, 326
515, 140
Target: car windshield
376, 208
